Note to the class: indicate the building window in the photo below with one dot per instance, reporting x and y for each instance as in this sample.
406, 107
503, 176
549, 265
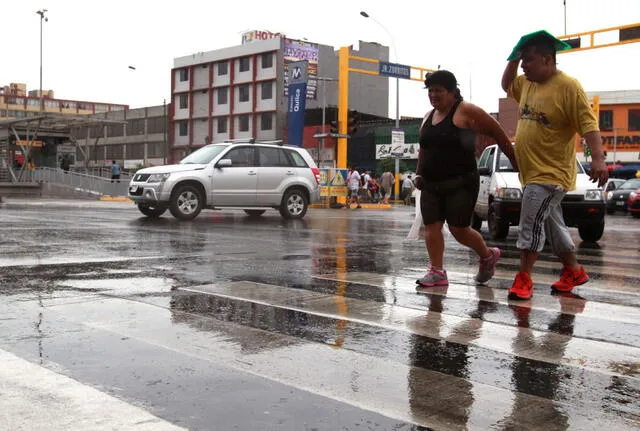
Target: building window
222, 124
115, 151
184, 101
134, 127
223, 68
244, 64
222, 96
266, 120
243, 91
155, 149
634, 120
184, 129
184, 75
243, 123
605, 122
266, 90
267, 60
134, 151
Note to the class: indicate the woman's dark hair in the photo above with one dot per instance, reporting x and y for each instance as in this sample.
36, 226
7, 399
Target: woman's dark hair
446, 79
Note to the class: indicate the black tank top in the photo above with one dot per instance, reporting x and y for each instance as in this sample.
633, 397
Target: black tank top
448, 151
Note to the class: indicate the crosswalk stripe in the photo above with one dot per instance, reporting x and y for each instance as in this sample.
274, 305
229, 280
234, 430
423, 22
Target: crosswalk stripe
373, 383
461, 286
36, 398
579, 352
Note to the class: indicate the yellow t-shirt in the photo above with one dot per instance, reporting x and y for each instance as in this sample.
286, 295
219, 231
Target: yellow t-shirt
550, 115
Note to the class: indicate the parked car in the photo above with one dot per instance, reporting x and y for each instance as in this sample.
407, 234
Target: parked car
617, 199
612, 184
500, 199
254, 176
633, 203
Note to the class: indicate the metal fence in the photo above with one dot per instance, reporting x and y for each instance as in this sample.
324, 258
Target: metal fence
78, 181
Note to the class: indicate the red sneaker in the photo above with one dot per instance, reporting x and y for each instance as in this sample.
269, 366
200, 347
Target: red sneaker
570, 278
522, 287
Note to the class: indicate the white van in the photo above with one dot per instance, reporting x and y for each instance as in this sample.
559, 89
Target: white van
500, 197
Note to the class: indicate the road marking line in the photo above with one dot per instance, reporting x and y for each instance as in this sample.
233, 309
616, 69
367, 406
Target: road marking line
34, 397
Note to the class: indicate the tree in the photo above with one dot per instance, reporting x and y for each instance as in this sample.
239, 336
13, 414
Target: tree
389, 164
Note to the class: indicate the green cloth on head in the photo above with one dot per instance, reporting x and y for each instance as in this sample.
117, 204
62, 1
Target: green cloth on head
517, 50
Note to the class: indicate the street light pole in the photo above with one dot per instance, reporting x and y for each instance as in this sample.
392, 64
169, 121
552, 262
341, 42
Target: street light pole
41, 12
324, 106
395, 56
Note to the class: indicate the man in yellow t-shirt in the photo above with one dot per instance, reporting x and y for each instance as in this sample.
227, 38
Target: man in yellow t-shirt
553, 107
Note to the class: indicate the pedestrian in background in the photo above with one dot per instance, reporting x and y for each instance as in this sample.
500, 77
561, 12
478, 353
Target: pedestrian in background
387, 180
353, 182
407, 189
553, 107
448, 175
115, 171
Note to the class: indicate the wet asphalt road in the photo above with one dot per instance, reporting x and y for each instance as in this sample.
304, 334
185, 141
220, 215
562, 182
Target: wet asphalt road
109, 320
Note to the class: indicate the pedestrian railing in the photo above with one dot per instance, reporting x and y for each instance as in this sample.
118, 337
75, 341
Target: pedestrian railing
81, 182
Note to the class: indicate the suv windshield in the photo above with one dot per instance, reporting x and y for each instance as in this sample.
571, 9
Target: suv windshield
204, 155
504, 164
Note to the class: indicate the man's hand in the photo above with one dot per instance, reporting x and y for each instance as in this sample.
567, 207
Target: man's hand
418, 182
599, 172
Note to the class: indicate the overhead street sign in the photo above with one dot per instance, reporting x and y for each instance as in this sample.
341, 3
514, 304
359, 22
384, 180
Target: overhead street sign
395, 70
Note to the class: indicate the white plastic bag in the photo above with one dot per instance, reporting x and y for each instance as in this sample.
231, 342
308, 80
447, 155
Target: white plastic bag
418, 223
414, 232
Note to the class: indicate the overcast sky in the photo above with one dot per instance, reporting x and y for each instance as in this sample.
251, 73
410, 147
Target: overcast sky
88, 45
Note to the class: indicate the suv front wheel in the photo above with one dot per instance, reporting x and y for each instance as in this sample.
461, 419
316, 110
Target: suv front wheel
186, 202
152, 211
294, 204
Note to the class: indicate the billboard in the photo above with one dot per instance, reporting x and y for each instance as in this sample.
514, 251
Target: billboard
301, 50
257, 35
296, 101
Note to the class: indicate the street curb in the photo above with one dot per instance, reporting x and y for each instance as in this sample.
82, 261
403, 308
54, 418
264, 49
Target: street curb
364, 206
115, 199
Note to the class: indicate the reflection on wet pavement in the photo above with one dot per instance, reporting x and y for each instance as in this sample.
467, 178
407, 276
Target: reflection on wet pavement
316, 322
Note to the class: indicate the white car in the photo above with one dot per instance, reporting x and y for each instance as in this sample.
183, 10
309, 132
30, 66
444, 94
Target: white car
500, 198
253, 176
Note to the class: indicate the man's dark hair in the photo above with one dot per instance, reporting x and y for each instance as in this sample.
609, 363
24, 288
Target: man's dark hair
446, 79
543, 45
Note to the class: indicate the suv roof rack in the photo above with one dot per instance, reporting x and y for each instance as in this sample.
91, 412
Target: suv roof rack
253, 141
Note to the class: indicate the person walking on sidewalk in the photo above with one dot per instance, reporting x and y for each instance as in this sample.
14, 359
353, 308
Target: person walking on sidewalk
387, 181
353, 181
553, 107
448, 176
407, 189
115, 171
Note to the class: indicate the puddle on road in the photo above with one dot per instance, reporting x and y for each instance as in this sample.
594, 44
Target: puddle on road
118, 286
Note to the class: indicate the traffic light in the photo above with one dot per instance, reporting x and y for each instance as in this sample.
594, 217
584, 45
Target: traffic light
629, 33
352, 122
574, 43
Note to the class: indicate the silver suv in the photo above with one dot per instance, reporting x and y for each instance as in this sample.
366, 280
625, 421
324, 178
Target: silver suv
254, 176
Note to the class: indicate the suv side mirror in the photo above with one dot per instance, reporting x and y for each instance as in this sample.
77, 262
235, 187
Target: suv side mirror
484, 171
223, 163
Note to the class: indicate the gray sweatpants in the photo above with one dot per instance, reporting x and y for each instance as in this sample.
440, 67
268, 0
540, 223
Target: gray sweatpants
541, 218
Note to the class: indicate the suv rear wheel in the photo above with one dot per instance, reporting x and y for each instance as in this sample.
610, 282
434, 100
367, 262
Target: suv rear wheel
186, 202
152, 211
294, 204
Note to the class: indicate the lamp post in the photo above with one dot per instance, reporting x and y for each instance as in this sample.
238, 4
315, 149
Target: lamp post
324, 80
395, 56
41, 12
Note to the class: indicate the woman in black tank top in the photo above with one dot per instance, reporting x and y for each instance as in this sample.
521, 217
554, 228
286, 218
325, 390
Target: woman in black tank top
448, 176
